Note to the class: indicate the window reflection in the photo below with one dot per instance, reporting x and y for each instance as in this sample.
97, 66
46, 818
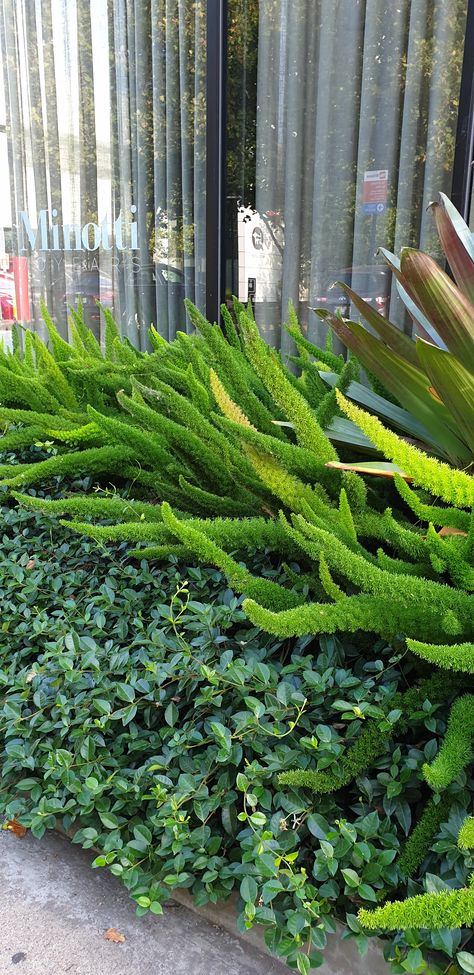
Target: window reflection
105, 119
356, 112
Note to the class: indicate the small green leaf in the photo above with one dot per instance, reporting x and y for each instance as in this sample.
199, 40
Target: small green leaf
171, 715
109, 820
258, 819
248, 889
156, 908
303, 964
367, 892
270, 890
143, 833
414, 961
143, 901
351, 877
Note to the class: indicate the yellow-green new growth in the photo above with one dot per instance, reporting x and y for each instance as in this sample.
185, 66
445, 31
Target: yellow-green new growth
455, 656
307, 429
453, 486
466, 834
226, 404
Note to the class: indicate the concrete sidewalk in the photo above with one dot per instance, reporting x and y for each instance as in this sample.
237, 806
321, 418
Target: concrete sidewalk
54, 911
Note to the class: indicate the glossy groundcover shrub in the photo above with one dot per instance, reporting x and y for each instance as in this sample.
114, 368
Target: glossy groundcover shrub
143, 713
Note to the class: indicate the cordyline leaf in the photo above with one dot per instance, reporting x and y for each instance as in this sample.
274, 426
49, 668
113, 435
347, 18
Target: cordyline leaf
453, 383
390, 334
457, 243
341, 431
423, 325
408, 384
460, 225
375, 403
345, 431
441, 301
434, 394
378, 468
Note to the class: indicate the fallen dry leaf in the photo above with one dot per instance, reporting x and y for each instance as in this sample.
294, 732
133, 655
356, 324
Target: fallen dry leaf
113, 935
16, 828
451, 531
446, 531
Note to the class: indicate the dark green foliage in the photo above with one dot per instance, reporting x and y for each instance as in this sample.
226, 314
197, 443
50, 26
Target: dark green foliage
372, 741
328, 406
17, 390
294, 406
161, 716
240, 579
166, 417
419, 842
229, 327
146, 448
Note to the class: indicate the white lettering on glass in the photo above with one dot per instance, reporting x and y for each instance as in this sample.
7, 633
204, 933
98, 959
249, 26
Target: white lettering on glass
50, 236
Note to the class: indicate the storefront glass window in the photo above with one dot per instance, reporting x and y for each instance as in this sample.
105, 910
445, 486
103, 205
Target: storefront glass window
356, 105
105, 119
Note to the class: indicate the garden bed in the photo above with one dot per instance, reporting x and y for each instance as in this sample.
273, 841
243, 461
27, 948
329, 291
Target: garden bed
145, 715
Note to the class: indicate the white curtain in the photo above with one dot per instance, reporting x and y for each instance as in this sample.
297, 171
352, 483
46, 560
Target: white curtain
346, 87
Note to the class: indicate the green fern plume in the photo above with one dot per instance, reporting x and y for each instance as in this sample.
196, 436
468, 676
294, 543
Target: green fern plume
453, 486
444, 909
466, 834
456, 749
418, 843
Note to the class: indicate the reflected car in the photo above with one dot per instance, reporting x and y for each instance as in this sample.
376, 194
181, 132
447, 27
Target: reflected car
89, 287
371, 282
7, 296
93, 286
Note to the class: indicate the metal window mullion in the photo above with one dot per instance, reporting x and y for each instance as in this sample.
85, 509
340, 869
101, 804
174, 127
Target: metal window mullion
464, 152
215, 154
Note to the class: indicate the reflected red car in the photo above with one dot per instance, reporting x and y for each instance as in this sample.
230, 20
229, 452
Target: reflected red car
7, 296
371, 282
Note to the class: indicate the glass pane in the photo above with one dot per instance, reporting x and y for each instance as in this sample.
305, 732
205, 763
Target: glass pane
5, 208
106, 128
355, 107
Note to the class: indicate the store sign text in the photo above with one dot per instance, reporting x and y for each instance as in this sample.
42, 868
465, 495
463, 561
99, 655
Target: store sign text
50, 236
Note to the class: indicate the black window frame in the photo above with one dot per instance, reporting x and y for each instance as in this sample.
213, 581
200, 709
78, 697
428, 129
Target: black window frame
216, 114
463, 168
